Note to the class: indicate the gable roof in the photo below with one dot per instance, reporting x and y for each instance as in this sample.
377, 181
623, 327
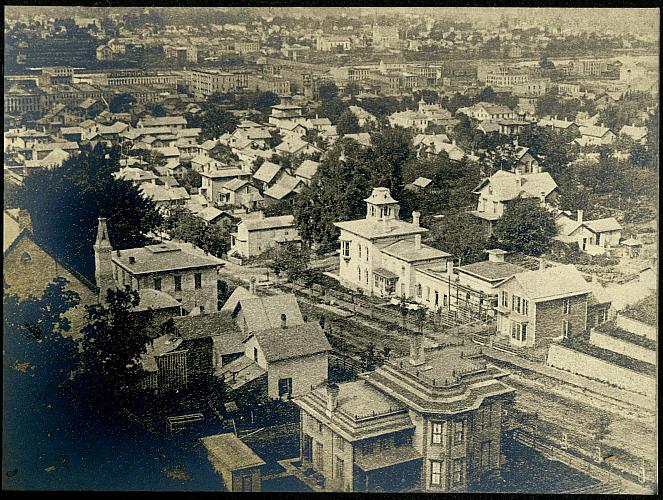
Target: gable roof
238, 294
593, 131
551, 283
363, 138
307, 169
163, 257
264, 313
235, 184
268, 222
267, 171
209, 214
162, 121
205, 325
306, 339
422, 182
491, 271
506, 187
285, 186
603, 225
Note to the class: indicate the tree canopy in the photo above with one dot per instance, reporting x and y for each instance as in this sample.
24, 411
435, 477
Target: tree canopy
121, 103
347, 123
525, 227
65, 205
462, 235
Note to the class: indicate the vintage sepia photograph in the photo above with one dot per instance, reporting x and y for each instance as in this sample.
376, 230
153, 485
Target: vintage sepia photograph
331, 249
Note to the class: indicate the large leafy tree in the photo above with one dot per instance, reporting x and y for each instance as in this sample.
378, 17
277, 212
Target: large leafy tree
65, 205
460, 234
525, 227
37, 362
214, 123
121, 103
291, 259
112, 343
183, 225
347, 123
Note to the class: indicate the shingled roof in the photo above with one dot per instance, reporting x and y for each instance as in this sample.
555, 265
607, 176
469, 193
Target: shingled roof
205, 325
264, 313
279, 343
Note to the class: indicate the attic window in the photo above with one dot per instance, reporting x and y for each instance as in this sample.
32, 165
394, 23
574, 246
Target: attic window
26, 258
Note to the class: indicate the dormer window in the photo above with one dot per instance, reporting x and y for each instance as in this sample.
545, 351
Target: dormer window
26, 258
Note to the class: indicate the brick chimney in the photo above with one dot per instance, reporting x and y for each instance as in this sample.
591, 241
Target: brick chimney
332, 399
252, 285
450, 266
580, 214
415, 218
417, 349
542, 264
24, 220
284, 320
496, 255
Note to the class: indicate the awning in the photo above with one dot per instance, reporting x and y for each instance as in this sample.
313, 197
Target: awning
387, 458
385, 273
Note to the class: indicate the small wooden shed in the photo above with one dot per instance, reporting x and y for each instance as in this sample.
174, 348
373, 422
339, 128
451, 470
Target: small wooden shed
238, 465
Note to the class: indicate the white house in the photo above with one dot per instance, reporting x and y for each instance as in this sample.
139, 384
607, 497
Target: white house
257, 235
380, 253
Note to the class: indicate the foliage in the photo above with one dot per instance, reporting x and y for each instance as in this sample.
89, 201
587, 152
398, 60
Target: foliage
191, 179
121, 103
347, 123
151, 157
503, 157
525, 227
155, 109
113, 341
291, 259
184, 226
213, 122
65, 205
552, 104
462, 235
223, 153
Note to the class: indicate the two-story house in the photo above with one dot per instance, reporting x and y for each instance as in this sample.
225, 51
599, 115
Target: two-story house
380, 253
178, 269
496, 192
258, 234
594, 237
538, 307
430, 421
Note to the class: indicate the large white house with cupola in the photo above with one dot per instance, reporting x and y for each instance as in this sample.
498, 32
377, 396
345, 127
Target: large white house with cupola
380, 253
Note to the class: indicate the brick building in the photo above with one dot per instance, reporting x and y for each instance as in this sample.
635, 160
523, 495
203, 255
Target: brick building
431, 422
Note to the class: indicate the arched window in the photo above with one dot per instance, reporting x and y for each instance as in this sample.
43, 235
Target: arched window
26, 258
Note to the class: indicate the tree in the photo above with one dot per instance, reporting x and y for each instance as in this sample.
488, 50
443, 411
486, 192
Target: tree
504, 157
65, 205
347, 123
215, 123
155, 109
184, 226
328, 91
525, 227
191, 179
462, 235
545, 63
291, 259
352, 88
113, 341
121, 103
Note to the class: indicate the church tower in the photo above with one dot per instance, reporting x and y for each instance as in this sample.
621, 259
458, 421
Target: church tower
103, 266
381, 206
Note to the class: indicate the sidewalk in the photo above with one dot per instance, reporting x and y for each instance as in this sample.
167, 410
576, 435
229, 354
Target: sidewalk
573, 379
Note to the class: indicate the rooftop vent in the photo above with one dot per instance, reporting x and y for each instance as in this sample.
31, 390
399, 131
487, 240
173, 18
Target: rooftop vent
132, 260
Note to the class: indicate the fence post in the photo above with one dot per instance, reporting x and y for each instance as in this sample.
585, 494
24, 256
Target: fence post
565, 441
597, 454
642, 471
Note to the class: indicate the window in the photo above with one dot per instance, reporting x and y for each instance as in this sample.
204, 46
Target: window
565, 328
359, 247
255, 354
436, 433
459, 431
518, 331
419, 290
340, 466
178, 283
247, 483
198, 280
359, 275
318, 456
525, 307
366, 275
427, 294
320, 427
485, 417
435, 472
387, 211
340, 443
437, 298
157, 283
26, 258
603, 316
376, 281
458, 470
285, 387
567, 306
484, 457
505, 298
345, 248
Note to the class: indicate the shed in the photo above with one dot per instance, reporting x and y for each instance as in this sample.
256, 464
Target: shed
238, 465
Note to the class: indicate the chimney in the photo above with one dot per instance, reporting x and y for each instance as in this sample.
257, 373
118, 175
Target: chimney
496, 255
415, 218
417, 348
542, 264
132, 260
24, 220
580, 214
252, 286
284, 320
417, 242
332, 398
450, 267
